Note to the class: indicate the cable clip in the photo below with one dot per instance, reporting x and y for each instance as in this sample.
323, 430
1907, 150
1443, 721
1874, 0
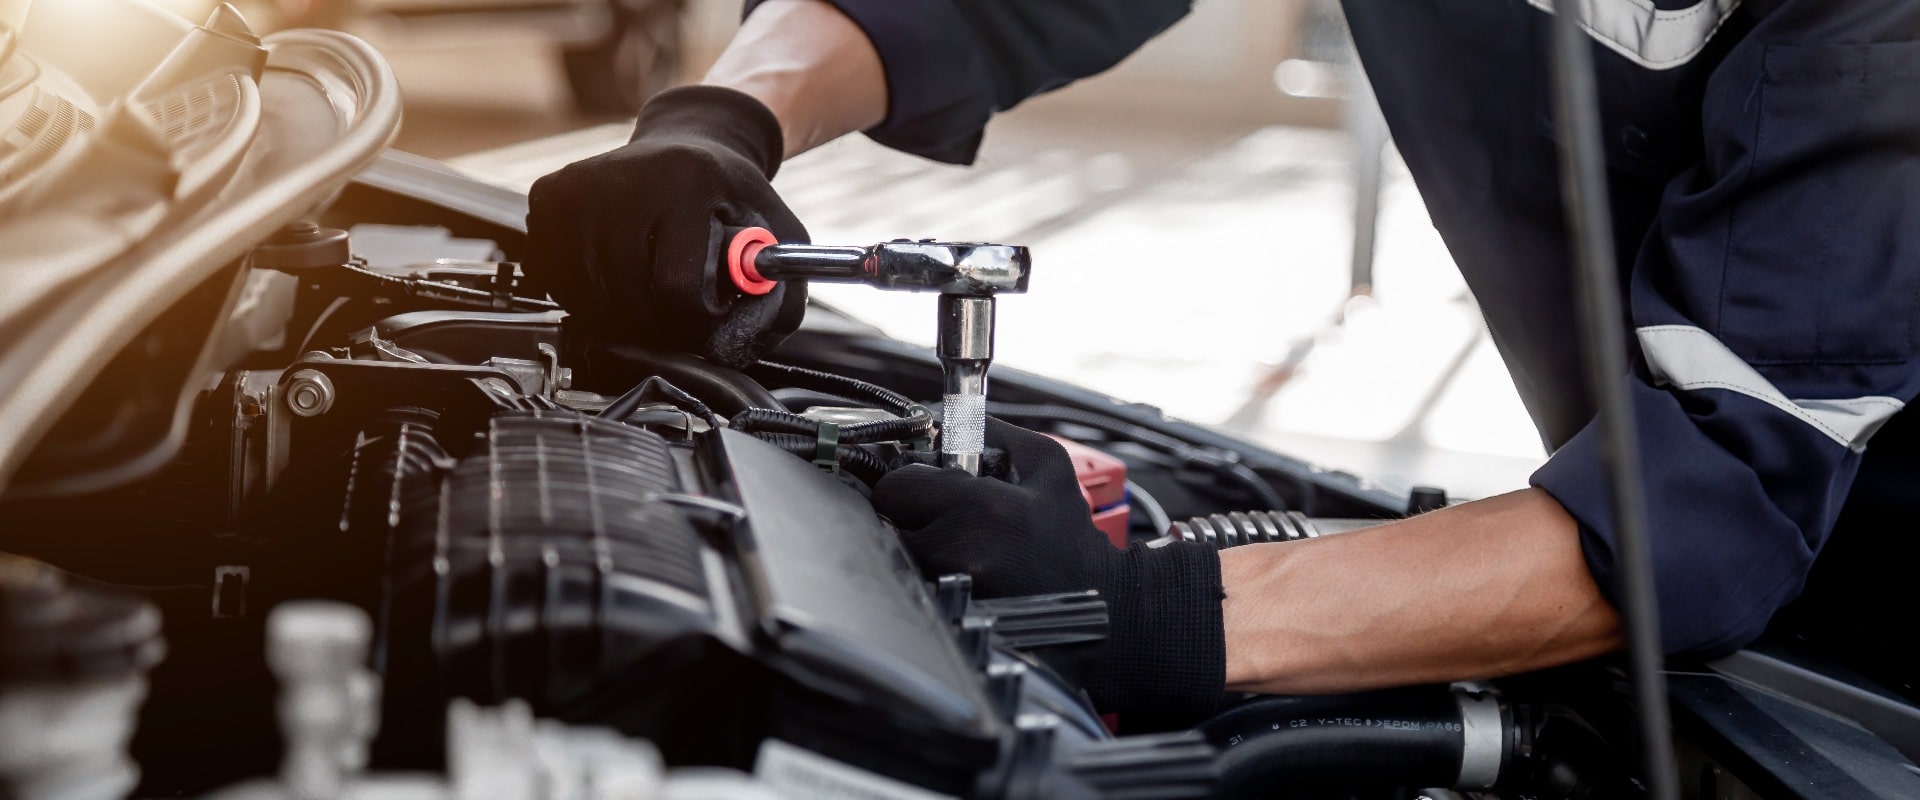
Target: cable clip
826, 453
924, 442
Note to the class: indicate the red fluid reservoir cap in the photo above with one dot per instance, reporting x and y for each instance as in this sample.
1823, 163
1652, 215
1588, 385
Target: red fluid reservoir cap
1103, 482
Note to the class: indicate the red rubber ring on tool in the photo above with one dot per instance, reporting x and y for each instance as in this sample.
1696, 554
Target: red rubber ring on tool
746, 245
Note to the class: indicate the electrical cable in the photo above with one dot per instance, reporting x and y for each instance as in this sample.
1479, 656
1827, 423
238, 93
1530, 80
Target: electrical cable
759, 420
860, 463
830, 383
916, 421
1157, 515
626, 404
314, 330
1590, 229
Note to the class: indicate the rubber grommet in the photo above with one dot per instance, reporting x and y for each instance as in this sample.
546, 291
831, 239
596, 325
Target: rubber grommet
746, 245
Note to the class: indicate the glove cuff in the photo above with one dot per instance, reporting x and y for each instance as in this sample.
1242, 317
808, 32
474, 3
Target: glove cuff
1166, 653
723, 116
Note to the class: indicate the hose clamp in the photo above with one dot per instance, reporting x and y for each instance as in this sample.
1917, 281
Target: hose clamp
1483, 738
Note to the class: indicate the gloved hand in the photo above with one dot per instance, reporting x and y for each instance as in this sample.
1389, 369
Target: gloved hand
1032, 534
631, 241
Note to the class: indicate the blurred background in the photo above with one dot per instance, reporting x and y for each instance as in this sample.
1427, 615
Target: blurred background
1220, 227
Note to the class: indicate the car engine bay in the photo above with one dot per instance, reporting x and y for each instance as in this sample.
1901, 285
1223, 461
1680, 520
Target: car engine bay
306, 493
672, 549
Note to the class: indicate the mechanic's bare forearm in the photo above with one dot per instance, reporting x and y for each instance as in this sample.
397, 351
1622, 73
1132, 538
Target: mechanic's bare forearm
1483, 589
812, 65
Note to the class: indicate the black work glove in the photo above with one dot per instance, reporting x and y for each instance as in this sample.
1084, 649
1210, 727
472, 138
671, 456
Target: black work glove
631, 242
1032, 534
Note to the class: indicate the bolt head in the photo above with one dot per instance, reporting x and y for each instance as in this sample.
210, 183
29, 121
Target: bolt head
309, 393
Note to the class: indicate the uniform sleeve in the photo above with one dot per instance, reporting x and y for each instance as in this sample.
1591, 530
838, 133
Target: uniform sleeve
1775, 306
951, 64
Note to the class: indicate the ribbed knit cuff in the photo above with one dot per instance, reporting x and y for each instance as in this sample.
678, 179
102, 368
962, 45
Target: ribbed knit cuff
727, 117
1167, 652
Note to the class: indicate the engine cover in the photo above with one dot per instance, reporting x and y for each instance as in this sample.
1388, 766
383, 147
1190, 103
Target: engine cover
707, 595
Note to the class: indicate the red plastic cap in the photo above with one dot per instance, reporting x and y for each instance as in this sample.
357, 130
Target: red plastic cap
746, 246
1103, 483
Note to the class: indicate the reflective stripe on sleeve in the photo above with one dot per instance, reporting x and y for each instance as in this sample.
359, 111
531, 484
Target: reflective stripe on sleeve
1648, 36
1690, 359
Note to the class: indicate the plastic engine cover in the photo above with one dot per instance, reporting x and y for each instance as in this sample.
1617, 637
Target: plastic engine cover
707, 596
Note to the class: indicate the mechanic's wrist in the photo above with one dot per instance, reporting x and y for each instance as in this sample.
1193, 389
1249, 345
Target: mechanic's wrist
1166, 653
812, 65
716, 114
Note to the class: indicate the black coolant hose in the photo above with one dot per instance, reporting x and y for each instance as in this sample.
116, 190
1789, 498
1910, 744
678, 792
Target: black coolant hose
728, 391
1221, 463
1429, 736
861, 464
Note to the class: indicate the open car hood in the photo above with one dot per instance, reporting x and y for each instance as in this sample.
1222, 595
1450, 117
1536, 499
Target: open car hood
143, 155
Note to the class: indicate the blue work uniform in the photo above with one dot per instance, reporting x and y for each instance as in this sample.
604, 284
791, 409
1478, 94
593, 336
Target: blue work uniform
1764, 161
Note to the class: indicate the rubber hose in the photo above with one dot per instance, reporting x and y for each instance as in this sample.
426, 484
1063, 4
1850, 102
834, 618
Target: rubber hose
758, 420
728, 391
837, 384
1399, 737
860, 463
1240, 473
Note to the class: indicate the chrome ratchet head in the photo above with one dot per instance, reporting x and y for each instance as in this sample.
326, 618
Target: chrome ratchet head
952, 268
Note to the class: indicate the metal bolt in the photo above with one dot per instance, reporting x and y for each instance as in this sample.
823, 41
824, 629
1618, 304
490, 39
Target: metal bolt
309, 393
